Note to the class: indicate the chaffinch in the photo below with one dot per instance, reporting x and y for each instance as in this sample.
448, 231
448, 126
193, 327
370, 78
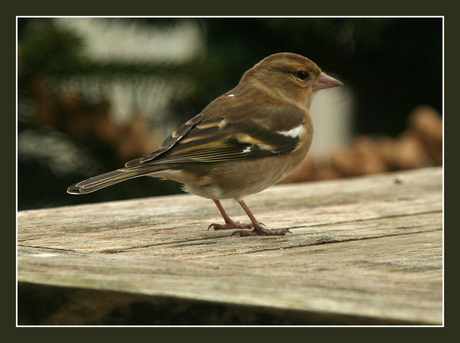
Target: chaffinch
243, 142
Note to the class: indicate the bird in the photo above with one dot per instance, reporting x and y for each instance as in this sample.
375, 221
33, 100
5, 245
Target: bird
241, 143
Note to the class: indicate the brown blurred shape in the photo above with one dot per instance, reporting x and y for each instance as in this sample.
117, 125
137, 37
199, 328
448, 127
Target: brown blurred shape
418, 146
90, 124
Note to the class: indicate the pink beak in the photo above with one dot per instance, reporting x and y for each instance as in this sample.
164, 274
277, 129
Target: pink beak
325, 81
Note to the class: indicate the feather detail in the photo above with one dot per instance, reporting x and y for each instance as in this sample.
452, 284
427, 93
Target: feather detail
220, 140
108, 179
168, 143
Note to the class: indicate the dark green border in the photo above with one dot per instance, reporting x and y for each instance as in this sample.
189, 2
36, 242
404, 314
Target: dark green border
8, 25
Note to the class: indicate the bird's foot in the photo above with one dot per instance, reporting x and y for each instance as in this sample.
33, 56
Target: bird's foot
277, 232
230, 225
258, 230
261, 231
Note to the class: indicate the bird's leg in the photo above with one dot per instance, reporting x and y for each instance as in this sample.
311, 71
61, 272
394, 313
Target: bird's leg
229, 223
259, 230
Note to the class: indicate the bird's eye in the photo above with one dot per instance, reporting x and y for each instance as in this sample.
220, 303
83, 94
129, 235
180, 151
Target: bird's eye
302, 74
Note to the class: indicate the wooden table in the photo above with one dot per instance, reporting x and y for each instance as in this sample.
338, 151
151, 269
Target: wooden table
365, 250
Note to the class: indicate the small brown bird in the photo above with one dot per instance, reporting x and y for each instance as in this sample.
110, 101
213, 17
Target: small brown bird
242, 143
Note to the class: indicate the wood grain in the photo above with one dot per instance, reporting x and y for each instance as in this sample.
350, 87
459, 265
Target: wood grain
364, 250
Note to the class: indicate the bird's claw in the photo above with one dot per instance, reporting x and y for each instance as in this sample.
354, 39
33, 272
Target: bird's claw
230, 226
263, 232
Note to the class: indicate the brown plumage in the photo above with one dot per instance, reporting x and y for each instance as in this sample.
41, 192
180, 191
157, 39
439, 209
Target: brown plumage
241, 143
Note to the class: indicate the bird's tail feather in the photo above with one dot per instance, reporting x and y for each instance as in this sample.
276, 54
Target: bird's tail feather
108, 179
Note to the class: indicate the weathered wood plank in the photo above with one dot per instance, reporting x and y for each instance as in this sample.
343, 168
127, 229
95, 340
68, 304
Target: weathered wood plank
368, 247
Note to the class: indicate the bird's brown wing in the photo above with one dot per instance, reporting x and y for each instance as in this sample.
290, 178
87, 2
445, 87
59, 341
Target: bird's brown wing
219, 140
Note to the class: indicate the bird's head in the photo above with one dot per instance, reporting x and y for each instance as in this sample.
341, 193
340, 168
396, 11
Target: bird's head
291, 76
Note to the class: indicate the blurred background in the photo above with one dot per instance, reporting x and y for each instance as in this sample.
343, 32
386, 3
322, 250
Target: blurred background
94, 93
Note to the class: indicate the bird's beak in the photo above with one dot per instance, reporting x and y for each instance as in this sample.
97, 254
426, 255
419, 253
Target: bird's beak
325, 81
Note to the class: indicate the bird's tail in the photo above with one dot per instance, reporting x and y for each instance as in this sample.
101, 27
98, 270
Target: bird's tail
108, 179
